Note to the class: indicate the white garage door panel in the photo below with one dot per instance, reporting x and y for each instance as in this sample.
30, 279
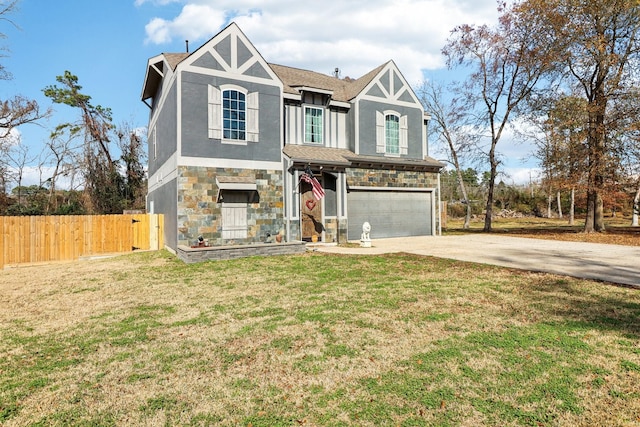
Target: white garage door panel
391, 214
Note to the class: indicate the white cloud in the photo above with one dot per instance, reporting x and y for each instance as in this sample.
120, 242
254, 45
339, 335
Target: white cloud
158, 31
355, 36
519, 176
193, 23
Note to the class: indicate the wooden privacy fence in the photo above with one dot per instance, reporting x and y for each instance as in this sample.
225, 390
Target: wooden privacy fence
33, 239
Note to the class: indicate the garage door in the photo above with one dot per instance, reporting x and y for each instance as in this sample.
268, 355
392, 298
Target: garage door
390, 213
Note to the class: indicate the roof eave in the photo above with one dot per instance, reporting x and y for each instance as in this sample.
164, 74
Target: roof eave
152, 78
314, 90
402, 164
303, 161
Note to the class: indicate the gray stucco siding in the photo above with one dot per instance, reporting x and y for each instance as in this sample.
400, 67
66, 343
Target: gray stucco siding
351, 129
367, 120
195, 141
166, 133
164, 202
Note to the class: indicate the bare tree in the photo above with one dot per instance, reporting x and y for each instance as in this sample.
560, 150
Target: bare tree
18, 111
15, 160
507, 62
64, 157
453, 128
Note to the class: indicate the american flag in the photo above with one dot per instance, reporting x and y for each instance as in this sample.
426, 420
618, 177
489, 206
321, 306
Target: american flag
318, 191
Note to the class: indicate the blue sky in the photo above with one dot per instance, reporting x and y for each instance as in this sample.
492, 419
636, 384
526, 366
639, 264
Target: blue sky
100, 42
107, 44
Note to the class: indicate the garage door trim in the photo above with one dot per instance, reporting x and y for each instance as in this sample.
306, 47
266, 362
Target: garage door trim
394, 189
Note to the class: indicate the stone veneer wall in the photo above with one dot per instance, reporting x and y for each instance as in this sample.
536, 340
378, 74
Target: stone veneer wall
199, 213
342, 230
391, 178
331, 230
335, 230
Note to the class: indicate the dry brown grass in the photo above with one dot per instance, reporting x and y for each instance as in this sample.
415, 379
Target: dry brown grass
314, 340
618, 231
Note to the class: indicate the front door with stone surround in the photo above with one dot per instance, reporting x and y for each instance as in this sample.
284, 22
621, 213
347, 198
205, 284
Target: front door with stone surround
311, 213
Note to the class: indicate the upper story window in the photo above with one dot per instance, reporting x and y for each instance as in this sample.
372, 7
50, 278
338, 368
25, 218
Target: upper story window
234, 112
313, 124
392, 133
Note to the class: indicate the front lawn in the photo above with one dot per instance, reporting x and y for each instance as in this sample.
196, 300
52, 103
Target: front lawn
314, 340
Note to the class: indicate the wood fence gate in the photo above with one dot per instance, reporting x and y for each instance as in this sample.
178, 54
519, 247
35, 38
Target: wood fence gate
34, 239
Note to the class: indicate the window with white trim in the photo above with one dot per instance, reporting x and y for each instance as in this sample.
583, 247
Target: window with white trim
392, 133
313, 124
233, 115
234, 111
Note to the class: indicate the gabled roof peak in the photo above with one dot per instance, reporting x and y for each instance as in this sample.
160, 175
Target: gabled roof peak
294, 79
343, 89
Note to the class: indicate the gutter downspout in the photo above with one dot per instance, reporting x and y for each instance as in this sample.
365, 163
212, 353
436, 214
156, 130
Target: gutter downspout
288, 197
439, 208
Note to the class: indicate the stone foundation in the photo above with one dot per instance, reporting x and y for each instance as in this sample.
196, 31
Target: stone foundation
217, 253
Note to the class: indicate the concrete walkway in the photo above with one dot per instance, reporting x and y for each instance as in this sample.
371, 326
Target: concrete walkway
609, 263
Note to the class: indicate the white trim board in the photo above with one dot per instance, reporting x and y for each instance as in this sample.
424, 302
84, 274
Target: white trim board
407, 189
184, 161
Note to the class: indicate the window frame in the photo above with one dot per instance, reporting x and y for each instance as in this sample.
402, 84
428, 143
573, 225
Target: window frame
238, 90
387, 134
320, 127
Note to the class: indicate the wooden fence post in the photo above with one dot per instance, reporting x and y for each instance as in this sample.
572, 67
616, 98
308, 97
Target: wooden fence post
2, 249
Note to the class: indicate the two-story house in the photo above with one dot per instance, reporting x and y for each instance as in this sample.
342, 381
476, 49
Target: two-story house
233, 138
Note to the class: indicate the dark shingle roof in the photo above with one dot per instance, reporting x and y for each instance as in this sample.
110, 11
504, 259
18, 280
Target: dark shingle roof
342, 157
321, 155
343, 89
175, 58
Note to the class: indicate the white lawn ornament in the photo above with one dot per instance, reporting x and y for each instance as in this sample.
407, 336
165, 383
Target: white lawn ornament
365, 239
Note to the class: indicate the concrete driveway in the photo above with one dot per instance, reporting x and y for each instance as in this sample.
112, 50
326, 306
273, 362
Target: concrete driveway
609, 263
